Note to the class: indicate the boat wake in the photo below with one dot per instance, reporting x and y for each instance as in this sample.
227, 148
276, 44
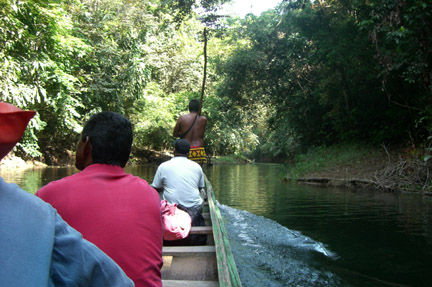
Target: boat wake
268, 254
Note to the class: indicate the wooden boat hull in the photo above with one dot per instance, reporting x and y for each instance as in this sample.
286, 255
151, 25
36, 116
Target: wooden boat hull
208, 265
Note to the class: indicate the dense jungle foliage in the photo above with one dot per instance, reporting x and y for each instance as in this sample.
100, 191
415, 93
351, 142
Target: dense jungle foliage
307, 73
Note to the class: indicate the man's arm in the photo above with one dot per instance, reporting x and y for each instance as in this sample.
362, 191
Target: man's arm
204, 123
176, 132
201, 180
159, 189
157, 181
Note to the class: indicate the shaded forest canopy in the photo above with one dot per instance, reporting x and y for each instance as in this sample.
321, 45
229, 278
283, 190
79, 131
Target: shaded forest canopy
305, 74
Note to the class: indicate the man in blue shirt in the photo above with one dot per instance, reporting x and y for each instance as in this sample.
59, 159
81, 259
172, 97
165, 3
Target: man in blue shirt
37, 248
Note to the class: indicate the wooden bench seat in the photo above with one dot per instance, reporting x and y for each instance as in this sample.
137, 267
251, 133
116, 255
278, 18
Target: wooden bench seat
201, 230
189, 251
189, 283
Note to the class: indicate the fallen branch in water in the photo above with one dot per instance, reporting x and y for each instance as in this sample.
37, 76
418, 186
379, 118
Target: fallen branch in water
333, 181
406, 174
393, 178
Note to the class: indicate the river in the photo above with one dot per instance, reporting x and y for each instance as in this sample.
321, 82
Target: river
285, 234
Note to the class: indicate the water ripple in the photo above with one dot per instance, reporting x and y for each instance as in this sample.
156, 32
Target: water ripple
268, 254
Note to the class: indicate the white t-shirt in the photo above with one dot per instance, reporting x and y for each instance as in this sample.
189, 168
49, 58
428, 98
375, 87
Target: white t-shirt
181, 179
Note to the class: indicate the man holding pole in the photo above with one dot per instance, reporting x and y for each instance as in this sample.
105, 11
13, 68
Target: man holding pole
191, 127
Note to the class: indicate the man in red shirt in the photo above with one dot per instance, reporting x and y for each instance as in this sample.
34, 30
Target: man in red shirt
118, 212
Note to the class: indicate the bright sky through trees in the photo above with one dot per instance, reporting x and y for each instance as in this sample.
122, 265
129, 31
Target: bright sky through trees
243, 7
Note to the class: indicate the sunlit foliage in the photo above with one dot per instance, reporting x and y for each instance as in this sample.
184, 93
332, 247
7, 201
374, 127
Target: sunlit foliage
307, 73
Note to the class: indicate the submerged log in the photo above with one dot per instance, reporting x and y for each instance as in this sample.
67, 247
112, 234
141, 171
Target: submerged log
328, 181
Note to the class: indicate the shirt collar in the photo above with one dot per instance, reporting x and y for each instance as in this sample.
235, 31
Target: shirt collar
99, 167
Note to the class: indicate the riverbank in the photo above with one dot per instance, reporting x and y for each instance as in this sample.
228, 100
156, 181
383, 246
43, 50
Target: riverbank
348, 166
357, 166
14, 162
138, 157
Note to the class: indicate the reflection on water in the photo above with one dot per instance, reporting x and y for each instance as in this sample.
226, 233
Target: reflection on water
297, 235
247, 186
378, 239
33, 179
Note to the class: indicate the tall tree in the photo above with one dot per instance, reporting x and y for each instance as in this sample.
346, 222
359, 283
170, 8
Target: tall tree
38, 66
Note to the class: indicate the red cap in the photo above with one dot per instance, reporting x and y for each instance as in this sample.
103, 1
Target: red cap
13, 122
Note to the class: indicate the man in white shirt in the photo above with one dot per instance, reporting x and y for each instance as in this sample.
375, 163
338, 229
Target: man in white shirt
180, 180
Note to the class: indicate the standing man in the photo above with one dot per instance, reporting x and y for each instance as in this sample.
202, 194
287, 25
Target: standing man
37, 248
180, 180
118, 212
191, 127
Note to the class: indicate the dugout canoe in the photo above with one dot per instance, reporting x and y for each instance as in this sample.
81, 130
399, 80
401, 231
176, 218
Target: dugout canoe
210, 265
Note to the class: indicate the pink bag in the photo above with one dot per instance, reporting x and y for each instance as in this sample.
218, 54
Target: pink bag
176, 223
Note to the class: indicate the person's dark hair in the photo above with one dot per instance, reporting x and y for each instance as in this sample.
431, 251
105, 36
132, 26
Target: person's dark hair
111, 137
194, 105
182, 146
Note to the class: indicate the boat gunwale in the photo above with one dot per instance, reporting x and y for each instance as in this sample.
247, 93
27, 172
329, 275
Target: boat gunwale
227, 269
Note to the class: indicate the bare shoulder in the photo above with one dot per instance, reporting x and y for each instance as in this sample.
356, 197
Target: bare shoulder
203, 121
181, 119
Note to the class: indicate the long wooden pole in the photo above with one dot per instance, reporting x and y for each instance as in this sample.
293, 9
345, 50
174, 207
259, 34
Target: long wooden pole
205, 70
